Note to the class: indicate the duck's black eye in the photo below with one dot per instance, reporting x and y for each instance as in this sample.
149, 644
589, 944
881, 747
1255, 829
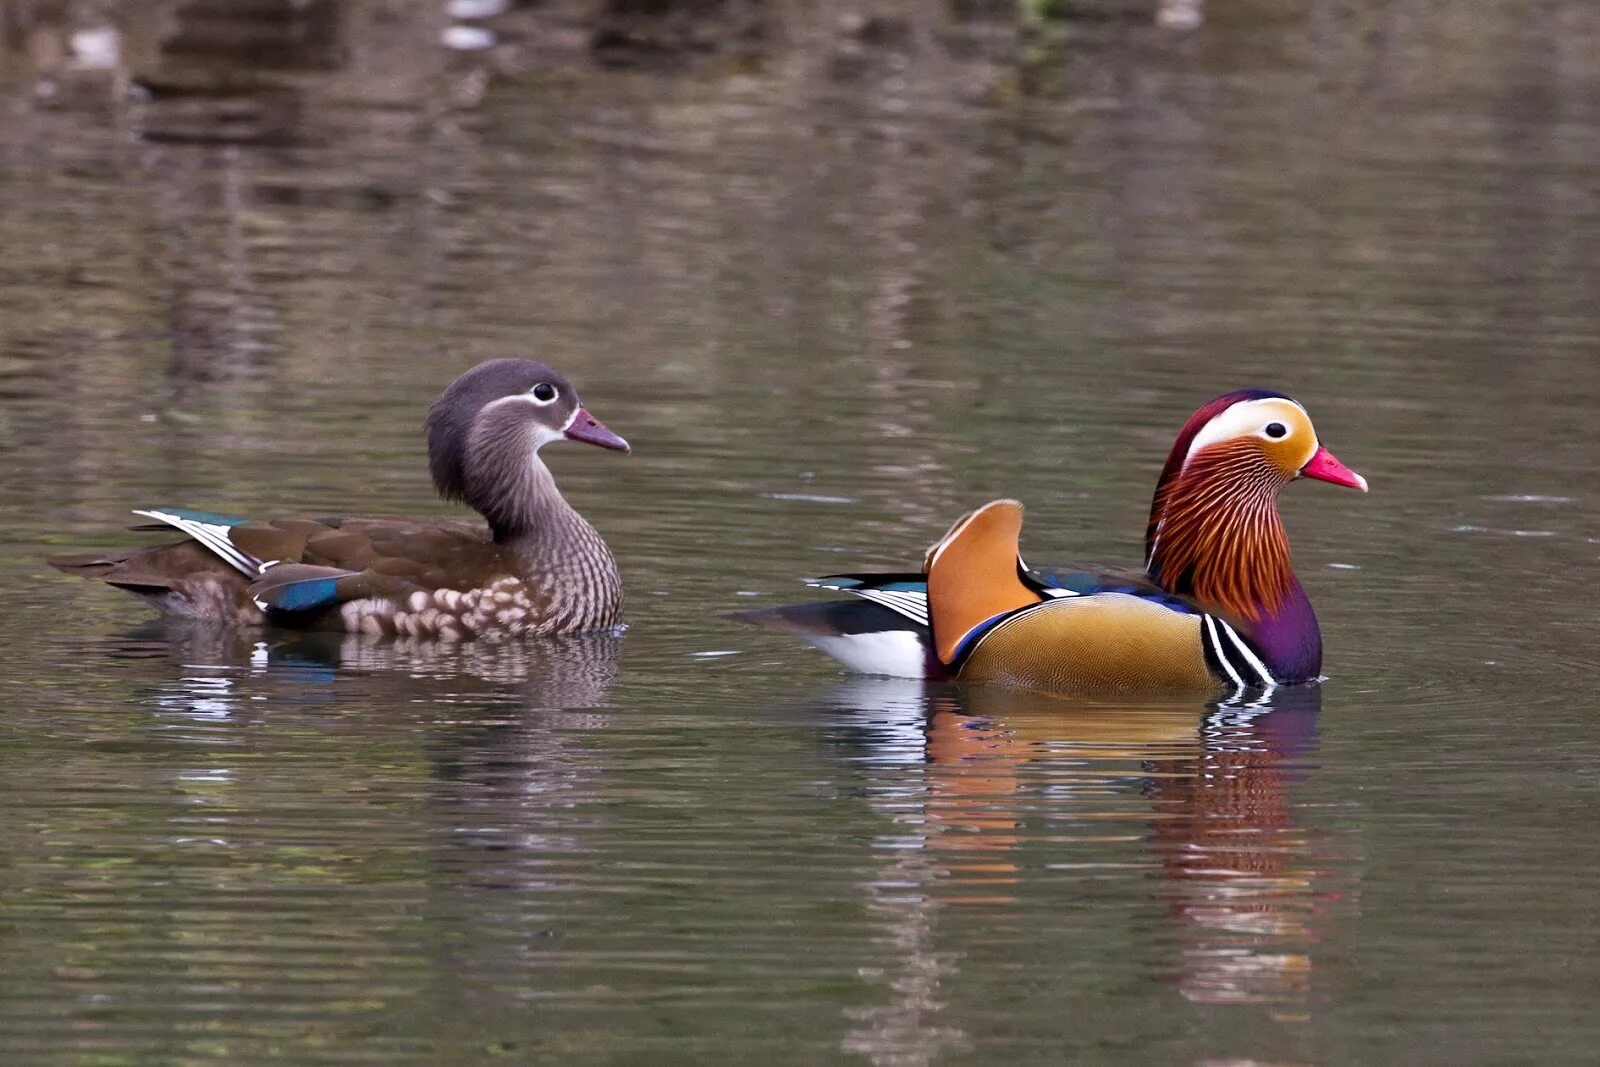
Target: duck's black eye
1276, 429
544, 392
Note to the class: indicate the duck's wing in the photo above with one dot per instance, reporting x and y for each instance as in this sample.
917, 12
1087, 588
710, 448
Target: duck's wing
315, 565
1086, 580
296, 567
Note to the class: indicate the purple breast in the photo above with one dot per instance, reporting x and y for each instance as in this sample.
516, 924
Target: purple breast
1291, 641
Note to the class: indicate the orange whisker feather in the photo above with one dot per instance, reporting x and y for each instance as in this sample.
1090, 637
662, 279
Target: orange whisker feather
1218, 537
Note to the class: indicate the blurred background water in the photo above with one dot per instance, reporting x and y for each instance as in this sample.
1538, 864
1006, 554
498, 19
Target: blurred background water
839, 271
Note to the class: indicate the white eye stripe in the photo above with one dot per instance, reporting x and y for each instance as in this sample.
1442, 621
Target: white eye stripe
534, 394
518, 398
1249, 418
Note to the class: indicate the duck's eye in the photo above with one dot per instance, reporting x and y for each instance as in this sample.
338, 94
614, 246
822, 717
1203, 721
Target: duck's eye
544, 392
1276, 429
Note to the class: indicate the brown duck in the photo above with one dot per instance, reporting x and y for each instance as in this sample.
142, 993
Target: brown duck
536, 568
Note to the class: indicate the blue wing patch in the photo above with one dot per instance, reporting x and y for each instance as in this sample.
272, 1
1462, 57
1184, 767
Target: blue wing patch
306, 595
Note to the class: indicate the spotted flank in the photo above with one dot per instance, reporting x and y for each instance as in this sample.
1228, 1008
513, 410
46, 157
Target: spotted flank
1231, 657
210, 530
500, 609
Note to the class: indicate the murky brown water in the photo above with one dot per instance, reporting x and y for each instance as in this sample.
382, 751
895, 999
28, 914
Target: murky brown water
837, 286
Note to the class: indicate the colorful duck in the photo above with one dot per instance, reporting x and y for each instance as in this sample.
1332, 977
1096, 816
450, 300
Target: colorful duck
1217, 606
536, 568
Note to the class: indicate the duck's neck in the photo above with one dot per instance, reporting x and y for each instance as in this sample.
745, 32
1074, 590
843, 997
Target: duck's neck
1215, 535
509, 485
535, 512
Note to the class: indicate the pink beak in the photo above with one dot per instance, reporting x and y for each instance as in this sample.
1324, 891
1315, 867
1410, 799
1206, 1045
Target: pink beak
591, 431
1326, 468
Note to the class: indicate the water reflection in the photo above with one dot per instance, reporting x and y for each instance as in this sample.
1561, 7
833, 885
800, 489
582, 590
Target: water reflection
1241, 880
1016, 785
221, 672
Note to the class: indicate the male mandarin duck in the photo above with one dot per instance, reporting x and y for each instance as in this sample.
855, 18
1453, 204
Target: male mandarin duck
1217, 606
537, 567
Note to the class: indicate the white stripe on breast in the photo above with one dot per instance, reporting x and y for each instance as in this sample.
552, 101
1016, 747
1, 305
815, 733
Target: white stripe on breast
1249, 656
1216, 646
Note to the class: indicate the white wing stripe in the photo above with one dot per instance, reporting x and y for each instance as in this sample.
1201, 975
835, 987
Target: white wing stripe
913, 606
213, 536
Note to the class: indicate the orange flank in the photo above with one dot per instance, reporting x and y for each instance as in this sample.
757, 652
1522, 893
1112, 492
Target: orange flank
1105, 643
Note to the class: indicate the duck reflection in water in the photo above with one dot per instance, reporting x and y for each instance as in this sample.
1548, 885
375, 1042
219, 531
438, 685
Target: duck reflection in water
223, 671
1013, 784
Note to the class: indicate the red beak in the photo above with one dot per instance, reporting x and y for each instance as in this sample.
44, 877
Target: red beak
591, 431
1326, 468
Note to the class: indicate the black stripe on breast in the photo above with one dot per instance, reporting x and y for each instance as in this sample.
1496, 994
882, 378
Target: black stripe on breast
1239, 653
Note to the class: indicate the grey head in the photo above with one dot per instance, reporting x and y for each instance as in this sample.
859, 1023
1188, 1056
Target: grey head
484, 436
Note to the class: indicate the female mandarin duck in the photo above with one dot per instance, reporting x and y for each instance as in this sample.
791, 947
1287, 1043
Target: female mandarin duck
1217, 607
536, 568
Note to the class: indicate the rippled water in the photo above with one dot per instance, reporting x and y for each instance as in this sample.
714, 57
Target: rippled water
836, 286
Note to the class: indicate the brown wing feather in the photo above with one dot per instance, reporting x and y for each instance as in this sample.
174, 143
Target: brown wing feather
335, 548
267, 542
391, 556
184, 578
157, 566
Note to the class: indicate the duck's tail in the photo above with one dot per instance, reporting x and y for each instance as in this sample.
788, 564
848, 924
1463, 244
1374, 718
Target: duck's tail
864, 636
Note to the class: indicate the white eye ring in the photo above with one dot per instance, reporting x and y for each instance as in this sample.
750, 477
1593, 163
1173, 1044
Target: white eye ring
1283, 431
544, 393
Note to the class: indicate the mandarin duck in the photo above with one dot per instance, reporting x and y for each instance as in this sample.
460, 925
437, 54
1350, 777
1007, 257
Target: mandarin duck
536, 568
1217, 606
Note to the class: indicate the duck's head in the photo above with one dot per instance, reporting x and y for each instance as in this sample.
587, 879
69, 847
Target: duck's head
1256, 435
486, 429
1215, 505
